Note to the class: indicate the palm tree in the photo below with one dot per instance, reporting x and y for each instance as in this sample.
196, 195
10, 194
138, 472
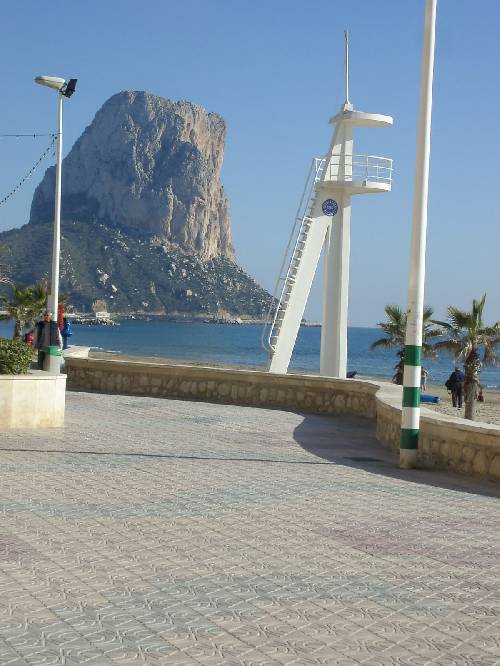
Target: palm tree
395, 333
470, 341
25, 306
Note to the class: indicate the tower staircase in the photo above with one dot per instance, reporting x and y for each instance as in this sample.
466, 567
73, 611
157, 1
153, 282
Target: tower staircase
337, 173
292, 258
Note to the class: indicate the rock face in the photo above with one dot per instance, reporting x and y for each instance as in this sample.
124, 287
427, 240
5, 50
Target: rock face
151, 167
145, 221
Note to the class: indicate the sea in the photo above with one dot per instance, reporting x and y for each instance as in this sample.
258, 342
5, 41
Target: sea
240, 344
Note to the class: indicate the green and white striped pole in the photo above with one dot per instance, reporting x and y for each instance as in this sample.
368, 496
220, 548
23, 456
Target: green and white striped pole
410, 423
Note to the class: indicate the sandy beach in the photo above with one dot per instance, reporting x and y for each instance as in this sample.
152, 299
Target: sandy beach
487, 411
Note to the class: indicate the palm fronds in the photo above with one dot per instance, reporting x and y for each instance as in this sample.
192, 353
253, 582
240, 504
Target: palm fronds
395, 333
25, 305
470, 341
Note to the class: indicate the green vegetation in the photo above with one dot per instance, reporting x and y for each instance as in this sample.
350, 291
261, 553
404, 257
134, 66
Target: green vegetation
464, 335
132, 274
395, 333
25, 306
473, 343
15, 357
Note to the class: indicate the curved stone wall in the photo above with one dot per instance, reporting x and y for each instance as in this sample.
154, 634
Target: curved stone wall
445, 441
242, 387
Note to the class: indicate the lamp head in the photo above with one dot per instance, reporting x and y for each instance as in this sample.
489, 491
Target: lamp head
70, 88
55, 82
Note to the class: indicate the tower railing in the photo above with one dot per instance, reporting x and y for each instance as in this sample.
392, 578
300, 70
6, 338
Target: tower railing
347, 168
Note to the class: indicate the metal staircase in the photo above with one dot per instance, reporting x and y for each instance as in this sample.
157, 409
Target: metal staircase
291, 260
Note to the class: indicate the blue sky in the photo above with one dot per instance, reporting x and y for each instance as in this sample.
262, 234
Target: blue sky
273, 70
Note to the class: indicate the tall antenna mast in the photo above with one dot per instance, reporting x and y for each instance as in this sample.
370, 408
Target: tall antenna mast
346, 39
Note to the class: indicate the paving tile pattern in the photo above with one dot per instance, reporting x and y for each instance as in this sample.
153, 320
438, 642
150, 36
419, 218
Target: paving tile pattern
169, 532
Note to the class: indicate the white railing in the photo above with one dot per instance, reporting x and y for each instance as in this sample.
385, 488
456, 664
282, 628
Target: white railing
280, 289
347, 168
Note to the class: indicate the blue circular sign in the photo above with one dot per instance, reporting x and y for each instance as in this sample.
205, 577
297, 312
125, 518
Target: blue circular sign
330, 207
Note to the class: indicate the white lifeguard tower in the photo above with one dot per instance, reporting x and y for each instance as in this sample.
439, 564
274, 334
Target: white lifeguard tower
323, 223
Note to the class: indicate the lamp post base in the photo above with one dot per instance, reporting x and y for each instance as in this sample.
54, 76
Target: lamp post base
407, 458
49, 359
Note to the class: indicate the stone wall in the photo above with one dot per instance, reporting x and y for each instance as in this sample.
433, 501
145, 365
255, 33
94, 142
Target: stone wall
242, 387
445, 441
35, 400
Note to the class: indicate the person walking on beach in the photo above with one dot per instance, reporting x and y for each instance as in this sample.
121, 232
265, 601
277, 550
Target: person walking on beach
455, 384
423, 378
46, 334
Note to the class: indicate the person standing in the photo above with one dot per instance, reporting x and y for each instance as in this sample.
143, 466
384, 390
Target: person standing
455, 384
28, 338
46, 334
66, 332
423, 378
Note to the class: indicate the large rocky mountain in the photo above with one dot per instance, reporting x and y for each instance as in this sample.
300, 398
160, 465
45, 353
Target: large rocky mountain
145, 221
147, 165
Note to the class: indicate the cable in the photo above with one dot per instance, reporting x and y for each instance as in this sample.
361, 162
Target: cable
30, 172
19, 136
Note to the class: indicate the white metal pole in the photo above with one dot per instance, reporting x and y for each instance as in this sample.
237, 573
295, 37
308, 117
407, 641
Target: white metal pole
53, 300
410, 424
346, 39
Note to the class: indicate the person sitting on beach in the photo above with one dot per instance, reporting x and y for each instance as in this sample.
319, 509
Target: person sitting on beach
455, 384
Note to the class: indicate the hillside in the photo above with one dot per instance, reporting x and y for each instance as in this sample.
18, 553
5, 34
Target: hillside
132, 274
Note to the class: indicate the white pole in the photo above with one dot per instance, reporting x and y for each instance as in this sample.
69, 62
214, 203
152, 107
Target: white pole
346, 38
333, 352
413, 344
53, 301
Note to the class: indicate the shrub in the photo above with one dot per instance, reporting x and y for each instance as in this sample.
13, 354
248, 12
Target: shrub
15, 357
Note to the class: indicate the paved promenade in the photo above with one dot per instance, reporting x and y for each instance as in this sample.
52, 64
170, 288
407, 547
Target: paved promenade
168, 532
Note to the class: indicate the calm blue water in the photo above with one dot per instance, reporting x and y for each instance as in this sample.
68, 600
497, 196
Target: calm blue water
240, 345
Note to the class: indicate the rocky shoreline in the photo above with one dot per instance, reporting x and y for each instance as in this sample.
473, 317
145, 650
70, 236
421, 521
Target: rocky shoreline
193, 318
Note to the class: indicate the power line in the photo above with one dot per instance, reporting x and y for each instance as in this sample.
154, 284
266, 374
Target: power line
20, 136
30, 172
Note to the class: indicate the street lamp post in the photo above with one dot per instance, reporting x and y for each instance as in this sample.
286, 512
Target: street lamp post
64, 90
410, 424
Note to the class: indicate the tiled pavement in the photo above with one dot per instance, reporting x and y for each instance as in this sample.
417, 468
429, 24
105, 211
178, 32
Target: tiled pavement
169, 532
